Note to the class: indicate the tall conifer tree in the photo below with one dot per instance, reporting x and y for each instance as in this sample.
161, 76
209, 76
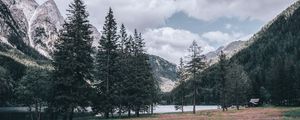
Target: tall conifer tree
73, 62
222, 84
181, 84
106, 67
195, 66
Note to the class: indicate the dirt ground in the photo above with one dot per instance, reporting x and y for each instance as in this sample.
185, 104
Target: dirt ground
244, 114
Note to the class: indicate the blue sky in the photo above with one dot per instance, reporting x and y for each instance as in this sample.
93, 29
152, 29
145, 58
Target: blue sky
170, 26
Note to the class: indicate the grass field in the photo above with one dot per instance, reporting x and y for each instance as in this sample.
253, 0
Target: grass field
292, 114
260, 113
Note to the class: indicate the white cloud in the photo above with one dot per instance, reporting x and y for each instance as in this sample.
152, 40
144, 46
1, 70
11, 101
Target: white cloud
133, 13
143, 14
171, 43
150, 15
263, 10
218, 38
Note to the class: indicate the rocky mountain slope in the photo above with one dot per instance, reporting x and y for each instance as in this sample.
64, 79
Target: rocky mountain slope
164, 71
44, 26
30, 30
40, 24
229, 50
15, 53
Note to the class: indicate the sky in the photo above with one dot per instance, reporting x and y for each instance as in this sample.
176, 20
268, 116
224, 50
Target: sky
170, 26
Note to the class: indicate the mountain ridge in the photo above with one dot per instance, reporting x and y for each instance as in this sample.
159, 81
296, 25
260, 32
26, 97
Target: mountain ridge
270, 59
41, 31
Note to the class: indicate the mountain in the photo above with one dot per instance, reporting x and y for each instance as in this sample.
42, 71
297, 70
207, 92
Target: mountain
17, 16
271, 59
15, 53
40, 24
30, 30
229, 50
27, 6
164, 71
13, 29
44, 26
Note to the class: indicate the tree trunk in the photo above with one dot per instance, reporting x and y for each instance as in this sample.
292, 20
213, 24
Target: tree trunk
106, 115
182, 104
152, 109
36, 110
30, 111
137, 112
120, 111
71, 114
194, 100
40, 111
129, 112
55, 115
112, 113
236, 95
65, 117
237, 103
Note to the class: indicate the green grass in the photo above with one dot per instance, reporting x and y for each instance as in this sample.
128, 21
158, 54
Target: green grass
292, 114
15, 115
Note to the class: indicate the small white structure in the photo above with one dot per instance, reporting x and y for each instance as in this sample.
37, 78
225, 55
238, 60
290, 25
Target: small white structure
254, 102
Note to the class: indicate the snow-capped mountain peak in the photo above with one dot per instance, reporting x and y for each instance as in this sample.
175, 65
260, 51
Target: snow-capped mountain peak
44, 26
27, 6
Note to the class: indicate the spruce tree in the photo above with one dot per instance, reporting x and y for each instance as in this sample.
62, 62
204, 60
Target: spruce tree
195, 66
32, 90
124, 71
222, 78
6, 87
238, 85
145, 86
138, 78
129, 88
73, 62
123, 38
106, 67
181, 84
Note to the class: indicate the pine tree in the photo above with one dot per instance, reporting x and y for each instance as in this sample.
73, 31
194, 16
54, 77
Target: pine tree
238, 85
222, 75
145, 86
195, 66
181, 84
123, 72
123, 38
32, 90
106, 67
6, 87
129, 88
73, 62
139, 78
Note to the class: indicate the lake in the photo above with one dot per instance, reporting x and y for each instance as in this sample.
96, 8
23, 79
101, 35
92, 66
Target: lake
171, 108
157, 109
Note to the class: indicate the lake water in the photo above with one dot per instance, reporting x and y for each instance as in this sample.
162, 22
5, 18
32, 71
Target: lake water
171, 108
157, 109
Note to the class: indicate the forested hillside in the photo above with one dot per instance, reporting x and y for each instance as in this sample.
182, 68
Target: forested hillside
271, 62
